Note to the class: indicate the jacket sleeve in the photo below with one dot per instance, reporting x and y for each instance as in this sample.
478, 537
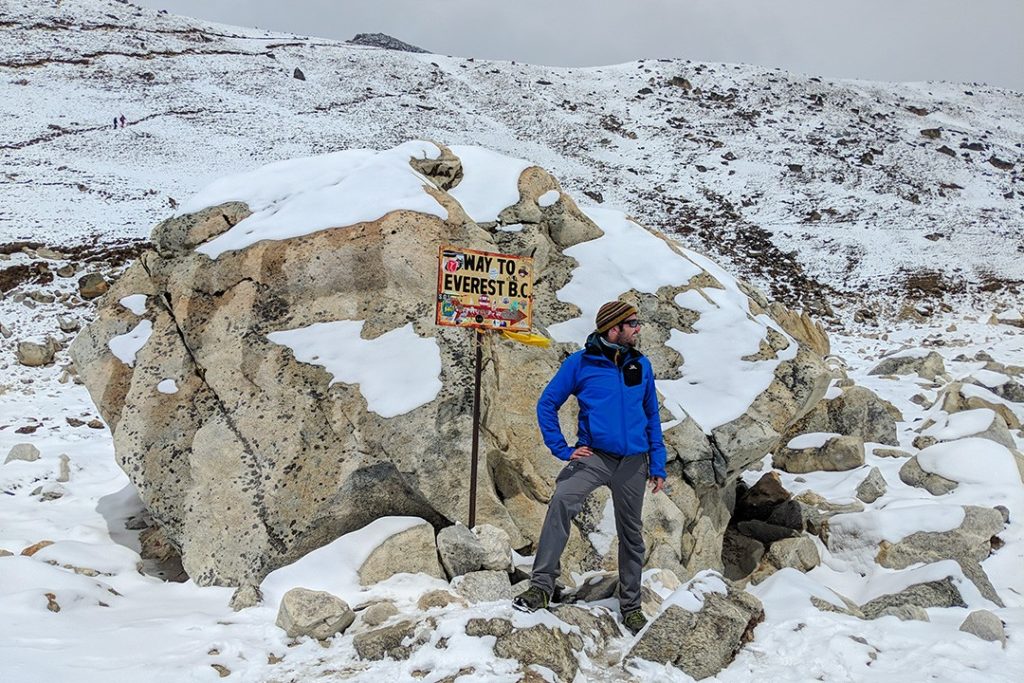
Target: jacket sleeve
551, 399
654, 439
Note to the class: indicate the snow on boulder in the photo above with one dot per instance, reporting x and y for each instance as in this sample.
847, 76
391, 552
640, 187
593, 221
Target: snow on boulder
293, 307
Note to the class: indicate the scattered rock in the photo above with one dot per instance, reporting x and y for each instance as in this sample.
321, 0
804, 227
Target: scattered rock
598, 586
412, 551
484, 586
245, 596
92, 285
798, 553
540, 645
1000, 164
928, 367
873, 487
221, 670
313, 613
941, 593
985, 625
838, 453
67, 323
438, 598
932, 133
597, 625
64, 469
912, 474
379, 612
497, 547
34, 354
23, 451
298, 75
890, 453
758, 501
35, 548
764, 531
396, 641
903, 613
740, 554
460, 550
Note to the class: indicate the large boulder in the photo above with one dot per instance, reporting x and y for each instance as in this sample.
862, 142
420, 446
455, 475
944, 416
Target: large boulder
856, 411
704, 642
928, 365
286, 384
820, 452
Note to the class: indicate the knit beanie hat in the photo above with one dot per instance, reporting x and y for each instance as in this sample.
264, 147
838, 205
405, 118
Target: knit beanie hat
613, 313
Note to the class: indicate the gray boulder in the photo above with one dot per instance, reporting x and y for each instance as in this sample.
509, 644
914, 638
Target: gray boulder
873, 486
313, 613
379, 612
35, 354
929, 366
941, 593
838, 453
912, 474
903, 613
540, 645
497, 547
967, 545
460, 550
483, 586
740, 554
22, 451
856, 412
411, 551
705, 642
985, 625
596, 624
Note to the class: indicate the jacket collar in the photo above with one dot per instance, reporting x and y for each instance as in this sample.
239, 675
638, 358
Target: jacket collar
599, 346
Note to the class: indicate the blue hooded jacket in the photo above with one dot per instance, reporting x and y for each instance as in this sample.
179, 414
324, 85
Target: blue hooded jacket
618, 406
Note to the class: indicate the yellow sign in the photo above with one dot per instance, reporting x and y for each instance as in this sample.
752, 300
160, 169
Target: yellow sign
484, 290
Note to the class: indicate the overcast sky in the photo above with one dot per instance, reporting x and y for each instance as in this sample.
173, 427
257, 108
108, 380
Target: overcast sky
892, 40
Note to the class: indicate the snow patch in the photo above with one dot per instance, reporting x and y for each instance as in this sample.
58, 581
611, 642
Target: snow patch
126, 346
136, 303
397, 372
490, 182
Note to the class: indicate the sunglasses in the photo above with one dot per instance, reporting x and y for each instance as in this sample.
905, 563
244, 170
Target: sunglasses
634, 323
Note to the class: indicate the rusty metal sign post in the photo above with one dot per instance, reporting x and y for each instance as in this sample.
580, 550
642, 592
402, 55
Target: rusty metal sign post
486, 292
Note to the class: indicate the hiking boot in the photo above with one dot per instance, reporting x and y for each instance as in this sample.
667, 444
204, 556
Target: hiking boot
530, 600
634, 621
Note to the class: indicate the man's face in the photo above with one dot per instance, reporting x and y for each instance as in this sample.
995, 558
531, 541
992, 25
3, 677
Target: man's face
627, 333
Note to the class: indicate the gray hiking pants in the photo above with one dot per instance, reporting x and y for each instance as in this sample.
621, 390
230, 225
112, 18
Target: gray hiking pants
626, 477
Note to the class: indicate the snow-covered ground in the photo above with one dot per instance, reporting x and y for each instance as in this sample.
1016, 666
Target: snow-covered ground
120, 625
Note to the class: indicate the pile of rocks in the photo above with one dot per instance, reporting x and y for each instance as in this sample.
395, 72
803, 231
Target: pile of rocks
479, 566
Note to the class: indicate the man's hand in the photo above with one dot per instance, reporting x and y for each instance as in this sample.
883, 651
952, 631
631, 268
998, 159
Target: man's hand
581, 452
657, 484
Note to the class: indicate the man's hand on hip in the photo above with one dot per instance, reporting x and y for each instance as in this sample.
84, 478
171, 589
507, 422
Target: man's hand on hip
581, 452
657, 484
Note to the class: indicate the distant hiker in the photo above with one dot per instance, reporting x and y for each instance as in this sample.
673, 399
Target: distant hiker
618, 445
122, 120
115, 123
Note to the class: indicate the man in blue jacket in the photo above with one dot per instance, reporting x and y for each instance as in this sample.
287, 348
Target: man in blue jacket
618, 445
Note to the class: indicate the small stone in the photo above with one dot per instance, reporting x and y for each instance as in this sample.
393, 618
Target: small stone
23, 451
66, 271
985, 625
92, 285
95, 424
484, 586
245, 596
890, 453
74, 421
438, 598
497, 547
35, 548
379, 612
34, 354
67, 323
298, 75
873, 487
221, 670
461, 552
5, 331
64, 474
51, 602
317, 614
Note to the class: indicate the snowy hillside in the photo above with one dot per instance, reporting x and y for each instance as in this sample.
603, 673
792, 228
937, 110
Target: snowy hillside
821, 192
